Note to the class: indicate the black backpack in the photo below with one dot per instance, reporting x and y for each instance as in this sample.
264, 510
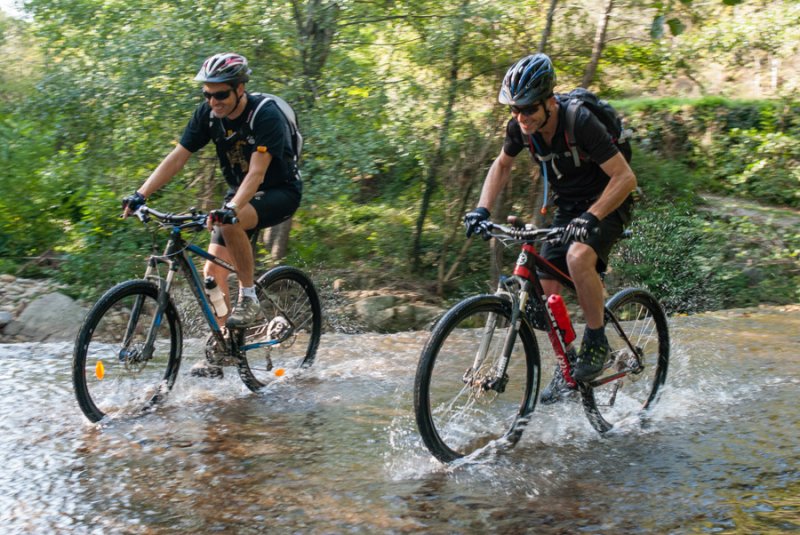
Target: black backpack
604, 112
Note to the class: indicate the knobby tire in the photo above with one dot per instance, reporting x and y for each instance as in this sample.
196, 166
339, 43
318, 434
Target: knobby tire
645, 325
288, 294
454, 418
110, 373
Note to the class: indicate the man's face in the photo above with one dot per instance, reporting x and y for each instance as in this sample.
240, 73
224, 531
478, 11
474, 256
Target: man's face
221, 97
530, 118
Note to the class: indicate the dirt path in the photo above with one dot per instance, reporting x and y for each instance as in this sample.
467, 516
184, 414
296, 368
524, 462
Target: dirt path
782, 217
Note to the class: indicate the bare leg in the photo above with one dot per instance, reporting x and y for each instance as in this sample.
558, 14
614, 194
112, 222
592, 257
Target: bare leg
550, 286
238, 244
582, 262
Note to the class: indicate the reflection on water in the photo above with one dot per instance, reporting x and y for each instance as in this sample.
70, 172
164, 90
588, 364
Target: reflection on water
335, 449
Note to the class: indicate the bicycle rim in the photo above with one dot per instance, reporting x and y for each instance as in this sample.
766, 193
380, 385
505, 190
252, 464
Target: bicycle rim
293, 317
113, 374
644, 323
455, 415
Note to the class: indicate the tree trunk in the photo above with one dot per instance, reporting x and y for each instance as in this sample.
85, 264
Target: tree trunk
599, 44
444, 133
548, 27
316, 22
276, 239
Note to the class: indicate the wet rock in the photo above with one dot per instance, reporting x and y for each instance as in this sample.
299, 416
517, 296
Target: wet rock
382, 312
51, 317
17, 294
5, 319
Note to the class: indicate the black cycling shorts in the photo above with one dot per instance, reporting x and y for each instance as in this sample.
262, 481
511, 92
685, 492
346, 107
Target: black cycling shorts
273, 206
611, 229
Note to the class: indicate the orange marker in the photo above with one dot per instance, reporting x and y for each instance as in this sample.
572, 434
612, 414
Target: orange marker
99, 370
279, 372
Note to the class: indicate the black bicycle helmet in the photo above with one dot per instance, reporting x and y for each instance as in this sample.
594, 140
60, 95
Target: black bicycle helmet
225, 68
527, 81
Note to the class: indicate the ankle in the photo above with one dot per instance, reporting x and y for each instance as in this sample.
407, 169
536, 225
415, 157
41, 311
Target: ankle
249, 292
594, 335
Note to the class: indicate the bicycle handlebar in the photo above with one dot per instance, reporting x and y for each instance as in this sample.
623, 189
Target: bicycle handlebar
194, 220
518, 231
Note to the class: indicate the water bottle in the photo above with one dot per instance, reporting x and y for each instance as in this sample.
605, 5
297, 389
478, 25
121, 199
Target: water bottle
216, 297
559, 310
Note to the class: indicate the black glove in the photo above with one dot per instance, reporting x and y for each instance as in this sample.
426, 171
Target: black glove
471, 219
133, 202
223, 216
580, 228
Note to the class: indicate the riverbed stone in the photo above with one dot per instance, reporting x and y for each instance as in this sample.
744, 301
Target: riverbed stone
5, 318
393, 312
51, 317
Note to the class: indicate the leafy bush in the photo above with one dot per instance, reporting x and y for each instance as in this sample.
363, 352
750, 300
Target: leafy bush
742, 148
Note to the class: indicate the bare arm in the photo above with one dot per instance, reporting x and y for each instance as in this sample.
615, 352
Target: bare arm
168, 168
496, 179
259, 162
622, 183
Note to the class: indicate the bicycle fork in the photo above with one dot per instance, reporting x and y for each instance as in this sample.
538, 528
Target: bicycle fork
497, 378
146, 353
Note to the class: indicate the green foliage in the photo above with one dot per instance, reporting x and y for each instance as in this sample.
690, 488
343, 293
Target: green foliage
109, 89
741, 148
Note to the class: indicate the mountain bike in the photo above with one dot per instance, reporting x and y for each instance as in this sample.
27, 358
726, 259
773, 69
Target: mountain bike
128, 351
477, 381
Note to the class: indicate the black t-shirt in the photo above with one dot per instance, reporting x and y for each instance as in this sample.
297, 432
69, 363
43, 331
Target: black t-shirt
236, 142
570, 183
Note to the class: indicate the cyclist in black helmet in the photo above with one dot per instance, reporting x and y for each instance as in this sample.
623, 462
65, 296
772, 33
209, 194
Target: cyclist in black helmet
593, 199
254, 146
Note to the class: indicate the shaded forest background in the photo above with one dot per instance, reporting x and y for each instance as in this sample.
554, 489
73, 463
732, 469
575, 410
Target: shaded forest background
397, 103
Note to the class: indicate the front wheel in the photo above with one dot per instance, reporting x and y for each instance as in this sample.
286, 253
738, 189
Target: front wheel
637, 332
461, 401
126, 354
288, 337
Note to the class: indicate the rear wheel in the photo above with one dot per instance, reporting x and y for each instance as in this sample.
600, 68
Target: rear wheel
641, 321
461, 404
114, 370
291, 329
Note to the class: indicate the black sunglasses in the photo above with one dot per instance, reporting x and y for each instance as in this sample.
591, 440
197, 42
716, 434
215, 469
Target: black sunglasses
525, 110
219, 95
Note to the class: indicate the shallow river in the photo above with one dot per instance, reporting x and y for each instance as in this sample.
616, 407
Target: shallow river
335, 450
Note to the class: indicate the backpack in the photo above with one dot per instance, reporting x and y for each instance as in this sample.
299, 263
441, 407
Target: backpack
291, 118
286, 110
604, 112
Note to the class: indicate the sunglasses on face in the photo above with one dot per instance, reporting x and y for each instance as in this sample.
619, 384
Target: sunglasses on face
219, 95
525, 110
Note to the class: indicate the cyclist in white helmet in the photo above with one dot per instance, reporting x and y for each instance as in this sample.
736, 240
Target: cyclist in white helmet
259, 164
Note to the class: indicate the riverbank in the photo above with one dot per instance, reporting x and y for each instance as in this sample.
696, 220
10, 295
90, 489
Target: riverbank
38, 310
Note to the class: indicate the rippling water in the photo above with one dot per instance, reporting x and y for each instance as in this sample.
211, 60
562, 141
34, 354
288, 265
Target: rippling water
335, 449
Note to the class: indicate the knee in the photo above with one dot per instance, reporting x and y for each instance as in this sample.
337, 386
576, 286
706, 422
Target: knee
213, 270
581, 257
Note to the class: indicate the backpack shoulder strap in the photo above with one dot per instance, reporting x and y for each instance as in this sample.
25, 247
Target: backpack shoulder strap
571, 114
260, 105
